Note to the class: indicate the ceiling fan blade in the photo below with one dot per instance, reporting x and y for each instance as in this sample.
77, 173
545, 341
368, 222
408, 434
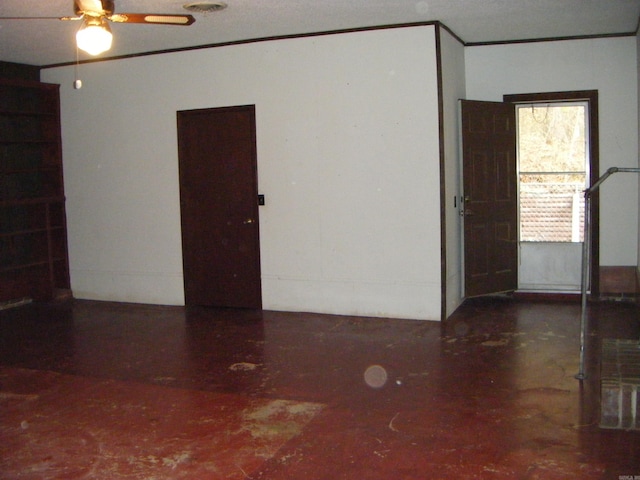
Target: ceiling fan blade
40, 18
153, 18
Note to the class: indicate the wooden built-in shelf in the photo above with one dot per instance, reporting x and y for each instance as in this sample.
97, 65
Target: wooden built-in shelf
33, 235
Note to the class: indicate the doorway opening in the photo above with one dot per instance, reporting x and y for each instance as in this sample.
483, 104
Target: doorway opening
547, 264
492, 250
553, 173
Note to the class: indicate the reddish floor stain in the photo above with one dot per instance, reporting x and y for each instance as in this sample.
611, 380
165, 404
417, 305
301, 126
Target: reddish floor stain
105, 390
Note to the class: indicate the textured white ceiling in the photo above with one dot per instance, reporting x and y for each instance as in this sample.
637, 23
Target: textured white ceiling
46, 42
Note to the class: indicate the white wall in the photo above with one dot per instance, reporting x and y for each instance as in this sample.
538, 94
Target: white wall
453, 89
607, 65
347, 137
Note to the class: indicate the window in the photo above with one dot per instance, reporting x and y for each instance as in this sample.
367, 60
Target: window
553, 170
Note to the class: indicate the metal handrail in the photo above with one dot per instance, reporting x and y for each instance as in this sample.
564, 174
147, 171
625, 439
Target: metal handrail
586, 256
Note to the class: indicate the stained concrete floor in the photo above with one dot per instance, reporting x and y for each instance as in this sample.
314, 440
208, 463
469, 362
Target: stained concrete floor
105, 391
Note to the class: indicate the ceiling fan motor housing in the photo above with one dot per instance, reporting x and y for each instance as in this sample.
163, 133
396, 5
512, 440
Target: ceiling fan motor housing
88, 7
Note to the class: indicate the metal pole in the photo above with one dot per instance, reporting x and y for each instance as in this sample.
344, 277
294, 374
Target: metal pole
586, 250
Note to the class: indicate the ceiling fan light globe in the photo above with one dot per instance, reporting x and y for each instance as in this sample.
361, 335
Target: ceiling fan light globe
94, 37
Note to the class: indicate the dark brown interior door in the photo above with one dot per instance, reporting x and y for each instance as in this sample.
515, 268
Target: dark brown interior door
219, 208
490, 197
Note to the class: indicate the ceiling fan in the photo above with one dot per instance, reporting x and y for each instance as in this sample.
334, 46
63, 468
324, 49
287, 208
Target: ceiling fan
94, 36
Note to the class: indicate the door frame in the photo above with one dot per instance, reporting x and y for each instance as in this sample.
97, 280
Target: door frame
591, 97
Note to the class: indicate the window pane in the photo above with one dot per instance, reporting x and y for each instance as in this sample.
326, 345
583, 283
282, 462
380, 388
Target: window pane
551, 138
552, 208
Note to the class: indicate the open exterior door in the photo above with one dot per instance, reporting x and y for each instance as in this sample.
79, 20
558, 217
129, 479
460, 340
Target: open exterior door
490, 203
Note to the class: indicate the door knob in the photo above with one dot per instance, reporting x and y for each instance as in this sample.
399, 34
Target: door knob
248, 220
